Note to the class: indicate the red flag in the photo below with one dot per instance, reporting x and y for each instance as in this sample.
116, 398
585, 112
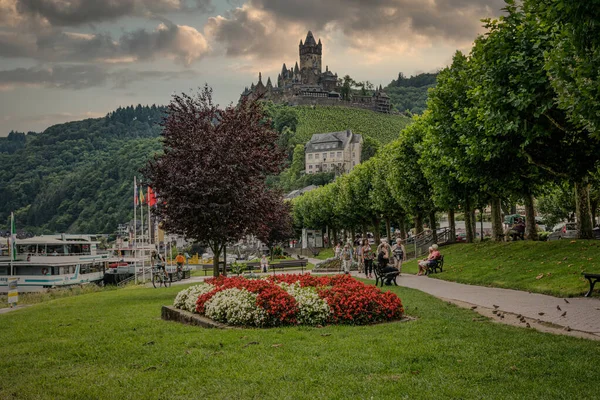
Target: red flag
151, 197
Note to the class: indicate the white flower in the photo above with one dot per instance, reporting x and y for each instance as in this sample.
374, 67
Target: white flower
312, 310
186, 299
235, 307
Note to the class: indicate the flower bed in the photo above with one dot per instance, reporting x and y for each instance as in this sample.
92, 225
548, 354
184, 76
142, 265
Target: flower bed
290, 300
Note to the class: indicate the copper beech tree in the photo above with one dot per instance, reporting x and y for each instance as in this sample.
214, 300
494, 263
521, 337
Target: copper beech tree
210, 179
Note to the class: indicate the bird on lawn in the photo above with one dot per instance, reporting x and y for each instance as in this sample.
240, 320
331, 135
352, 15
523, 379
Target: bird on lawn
495, 306
541, 313
558, 308
563, 314
566, 301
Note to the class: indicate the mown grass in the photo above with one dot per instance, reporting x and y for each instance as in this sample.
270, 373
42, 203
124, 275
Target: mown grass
542, 267
113, 345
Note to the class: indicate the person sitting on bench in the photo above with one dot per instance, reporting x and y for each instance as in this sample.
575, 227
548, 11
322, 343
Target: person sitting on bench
383, 258
434, 255
517, 231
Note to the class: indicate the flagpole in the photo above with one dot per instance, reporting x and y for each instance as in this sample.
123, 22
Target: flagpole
135, 252
12, 242
143, 251
149, 219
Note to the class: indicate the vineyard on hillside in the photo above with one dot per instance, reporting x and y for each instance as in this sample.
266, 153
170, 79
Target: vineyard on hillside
320, 119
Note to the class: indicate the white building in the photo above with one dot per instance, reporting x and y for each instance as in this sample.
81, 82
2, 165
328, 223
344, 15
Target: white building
333, 152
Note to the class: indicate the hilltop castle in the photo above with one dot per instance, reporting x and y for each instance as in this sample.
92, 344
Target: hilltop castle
306, 84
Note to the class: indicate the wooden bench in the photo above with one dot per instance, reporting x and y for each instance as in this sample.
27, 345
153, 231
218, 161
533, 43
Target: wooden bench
289, 264
250, 266
434, 266
592, 279
381, 277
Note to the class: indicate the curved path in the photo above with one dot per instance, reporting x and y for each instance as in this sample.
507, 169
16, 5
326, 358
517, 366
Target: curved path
578, 316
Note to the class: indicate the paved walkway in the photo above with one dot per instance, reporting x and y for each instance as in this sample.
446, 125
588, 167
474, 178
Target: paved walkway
581, 313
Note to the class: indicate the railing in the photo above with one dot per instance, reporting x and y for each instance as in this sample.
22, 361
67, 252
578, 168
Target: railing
419, 244
145, 271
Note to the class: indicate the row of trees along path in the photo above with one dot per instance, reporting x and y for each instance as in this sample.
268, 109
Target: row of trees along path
502, 125
211, 174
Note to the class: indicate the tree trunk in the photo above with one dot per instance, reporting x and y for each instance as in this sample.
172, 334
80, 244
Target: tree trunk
583, 209
353, 233
418, 224
474, 222
224, 260
376, 234
402, 226
513, 209
388, 229
468, 222
530, 229
433, 226
481, 223
452, 227
216, 249
497, 230
364, 231
335, 238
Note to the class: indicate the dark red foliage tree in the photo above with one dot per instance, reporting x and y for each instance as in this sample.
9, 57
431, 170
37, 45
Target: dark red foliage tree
278, 225
210, 180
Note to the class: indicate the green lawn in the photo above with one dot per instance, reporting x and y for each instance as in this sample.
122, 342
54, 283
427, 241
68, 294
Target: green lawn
516, 265
113, 345
324, 254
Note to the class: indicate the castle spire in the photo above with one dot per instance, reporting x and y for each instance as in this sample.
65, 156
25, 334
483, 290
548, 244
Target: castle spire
310, 39
259, 77
296, 69
269, 84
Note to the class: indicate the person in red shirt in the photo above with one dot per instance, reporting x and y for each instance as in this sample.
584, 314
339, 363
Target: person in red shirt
434, 255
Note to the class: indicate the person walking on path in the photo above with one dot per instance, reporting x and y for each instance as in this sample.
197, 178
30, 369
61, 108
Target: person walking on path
399, 254
367, 258
264, 263
346, 258
337, 251
359, 260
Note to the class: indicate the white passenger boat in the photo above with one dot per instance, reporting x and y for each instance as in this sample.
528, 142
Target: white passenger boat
51, 262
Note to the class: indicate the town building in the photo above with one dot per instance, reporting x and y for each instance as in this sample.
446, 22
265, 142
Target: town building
337, 152
307, 84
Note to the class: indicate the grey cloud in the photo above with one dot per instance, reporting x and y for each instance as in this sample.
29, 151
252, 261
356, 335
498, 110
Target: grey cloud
244, 35
183, 44
82, 76
384, 20
69, 77
77, 12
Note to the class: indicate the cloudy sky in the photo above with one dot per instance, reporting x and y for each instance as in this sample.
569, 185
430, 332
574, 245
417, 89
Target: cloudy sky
63, 60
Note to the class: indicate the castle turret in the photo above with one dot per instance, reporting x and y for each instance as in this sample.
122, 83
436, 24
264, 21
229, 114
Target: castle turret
269, 84
310, 59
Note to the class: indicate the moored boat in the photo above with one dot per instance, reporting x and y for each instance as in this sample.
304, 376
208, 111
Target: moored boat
51, 262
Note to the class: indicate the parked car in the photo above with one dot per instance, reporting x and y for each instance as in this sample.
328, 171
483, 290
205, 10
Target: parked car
565, 230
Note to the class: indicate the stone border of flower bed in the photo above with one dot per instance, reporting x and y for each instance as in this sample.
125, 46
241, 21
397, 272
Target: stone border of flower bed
170, 313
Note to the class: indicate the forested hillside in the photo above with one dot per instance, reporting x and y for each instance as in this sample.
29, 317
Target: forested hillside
78, 176
410, 94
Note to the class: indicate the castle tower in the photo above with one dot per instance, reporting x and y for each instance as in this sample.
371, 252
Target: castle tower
310, 60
